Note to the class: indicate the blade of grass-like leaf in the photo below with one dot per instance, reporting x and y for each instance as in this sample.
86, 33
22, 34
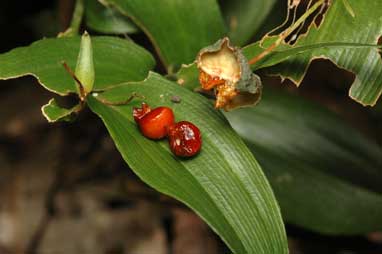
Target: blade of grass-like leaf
178, 29
245, 17
223, 184
326, 176
115, 61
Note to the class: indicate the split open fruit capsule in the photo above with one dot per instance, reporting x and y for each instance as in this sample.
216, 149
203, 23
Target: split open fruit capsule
153, 123
184, 138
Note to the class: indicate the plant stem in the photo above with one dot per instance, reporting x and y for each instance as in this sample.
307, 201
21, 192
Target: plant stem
80, 87
287, 32
119, 103
77, 16
76, 20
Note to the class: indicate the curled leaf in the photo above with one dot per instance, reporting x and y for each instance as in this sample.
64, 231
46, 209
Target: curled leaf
225, 69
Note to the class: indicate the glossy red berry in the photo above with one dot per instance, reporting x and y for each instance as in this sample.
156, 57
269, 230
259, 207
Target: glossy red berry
155, 123
184, 138
138, 113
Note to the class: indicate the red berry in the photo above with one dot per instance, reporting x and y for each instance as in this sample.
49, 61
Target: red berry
184, 139
154, 124
138, 113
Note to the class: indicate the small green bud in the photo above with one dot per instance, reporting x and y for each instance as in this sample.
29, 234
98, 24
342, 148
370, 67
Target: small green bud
85, 66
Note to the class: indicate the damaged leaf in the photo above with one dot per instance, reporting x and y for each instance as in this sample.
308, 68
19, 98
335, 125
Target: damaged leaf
187, 76
54, 112
285, 52
43, 59
225, 69
338, 25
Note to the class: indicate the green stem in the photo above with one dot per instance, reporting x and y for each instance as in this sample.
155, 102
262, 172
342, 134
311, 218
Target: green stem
287, 32
81, 91
75, 23
77, 17
118, 103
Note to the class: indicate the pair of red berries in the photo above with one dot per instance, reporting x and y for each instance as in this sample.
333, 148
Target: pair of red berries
184, 137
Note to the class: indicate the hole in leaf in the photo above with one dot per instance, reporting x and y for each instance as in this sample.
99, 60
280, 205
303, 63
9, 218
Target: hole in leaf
299, 9
336, 79
320, 16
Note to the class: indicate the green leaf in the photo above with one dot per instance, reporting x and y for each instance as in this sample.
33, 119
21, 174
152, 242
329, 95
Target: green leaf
326, 175
105, 19
187, 76
245, 17
115, 61
286, 52
178, 29
224, 184
348, 8
53, 112
339, 25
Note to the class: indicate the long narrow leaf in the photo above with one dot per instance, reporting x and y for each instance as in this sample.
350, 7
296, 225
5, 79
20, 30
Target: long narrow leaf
178, 29
245, 17
326, 175
224, 184
286, 52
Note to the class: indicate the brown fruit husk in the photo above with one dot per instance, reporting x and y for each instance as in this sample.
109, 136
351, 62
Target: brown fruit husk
225, 69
